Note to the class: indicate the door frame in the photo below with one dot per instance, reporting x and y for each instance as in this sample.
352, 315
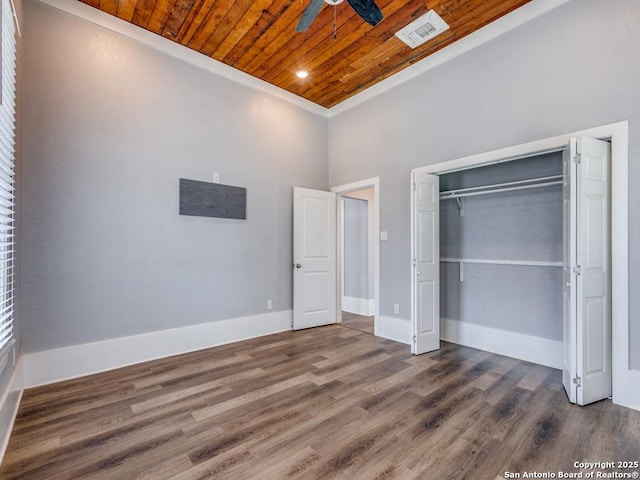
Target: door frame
373, 183
618, 135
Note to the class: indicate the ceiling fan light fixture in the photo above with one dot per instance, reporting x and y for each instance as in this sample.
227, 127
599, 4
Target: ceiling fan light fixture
366, 9
302, 74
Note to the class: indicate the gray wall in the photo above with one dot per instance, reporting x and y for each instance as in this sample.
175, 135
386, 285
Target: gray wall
109, 127
356, 248
524, 225
576, 67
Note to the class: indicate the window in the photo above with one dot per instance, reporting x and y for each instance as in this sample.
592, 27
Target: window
7, 184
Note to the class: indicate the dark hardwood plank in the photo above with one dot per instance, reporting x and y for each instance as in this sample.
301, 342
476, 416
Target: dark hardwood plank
324, 403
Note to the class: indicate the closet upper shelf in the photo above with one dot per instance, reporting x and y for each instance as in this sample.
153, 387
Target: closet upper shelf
503, 187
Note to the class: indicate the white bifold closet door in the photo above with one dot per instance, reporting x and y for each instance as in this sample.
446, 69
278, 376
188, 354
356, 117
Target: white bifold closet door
426, 263
587, 373
587, 271
314, 256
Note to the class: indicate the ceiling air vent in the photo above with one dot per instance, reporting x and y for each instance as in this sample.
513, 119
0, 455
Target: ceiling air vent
422, 29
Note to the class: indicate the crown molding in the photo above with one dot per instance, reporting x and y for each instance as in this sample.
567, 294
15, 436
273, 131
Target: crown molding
176, 50
504, 24
508, 22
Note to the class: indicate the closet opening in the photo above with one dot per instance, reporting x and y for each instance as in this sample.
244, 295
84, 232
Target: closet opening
501, 254
583, 261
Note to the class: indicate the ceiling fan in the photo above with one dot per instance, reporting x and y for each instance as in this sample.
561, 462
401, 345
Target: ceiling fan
367, 9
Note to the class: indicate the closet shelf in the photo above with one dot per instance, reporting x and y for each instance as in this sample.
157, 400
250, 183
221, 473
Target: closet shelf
525, 263
503, 187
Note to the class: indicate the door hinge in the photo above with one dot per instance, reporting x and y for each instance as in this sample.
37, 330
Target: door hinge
414, 339
578, 381
577, 158
577, 270
414, 187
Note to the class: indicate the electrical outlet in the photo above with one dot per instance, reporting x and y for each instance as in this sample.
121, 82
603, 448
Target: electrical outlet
384, 235
269, 305
396, 308
216, 177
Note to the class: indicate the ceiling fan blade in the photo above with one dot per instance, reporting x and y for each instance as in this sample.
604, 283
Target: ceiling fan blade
309, 15
368, 10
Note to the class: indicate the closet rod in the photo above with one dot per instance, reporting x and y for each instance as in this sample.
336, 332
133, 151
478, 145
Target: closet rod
503, 187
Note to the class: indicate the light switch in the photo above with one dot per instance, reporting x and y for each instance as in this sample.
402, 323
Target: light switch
384, 235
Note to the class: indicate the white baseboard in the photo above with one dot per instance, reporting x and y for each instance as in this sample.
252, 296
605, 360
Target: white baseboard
634, 389
517, 345
51, 366
394, 328
361, 306
631, 393
9, 404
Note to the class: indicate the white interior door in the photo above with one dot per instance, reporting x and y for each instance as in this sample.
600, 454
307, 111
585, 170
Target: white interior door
587, 377
426, 263
314, 258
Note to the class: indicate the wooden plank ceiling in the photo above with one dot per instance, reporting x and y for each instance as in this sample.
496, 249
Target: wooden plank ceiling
258, 37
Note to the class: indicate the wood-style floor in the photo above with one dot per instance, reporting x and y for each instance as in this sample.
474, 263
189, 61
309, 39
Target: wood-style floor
362, 323
325, 403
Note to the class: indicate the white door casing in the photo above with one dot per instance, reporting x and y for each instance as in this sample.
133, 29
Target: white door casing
370, 183
587, 337
426, 263
314, 258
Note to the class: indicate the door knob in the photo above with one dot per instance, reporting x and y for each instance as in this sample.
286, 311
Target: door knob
298, 265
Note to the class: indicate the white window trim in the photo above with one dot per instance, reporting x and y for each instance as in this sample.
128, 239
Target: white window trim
7, 180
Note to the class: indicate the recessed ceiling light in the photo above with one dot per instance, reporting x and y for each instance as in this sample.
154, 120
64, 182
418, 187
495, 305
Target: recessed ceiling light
302, 74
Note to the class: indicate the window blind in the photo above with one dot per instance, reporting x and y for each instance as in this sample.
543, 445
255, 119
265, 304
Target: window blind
7, 183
